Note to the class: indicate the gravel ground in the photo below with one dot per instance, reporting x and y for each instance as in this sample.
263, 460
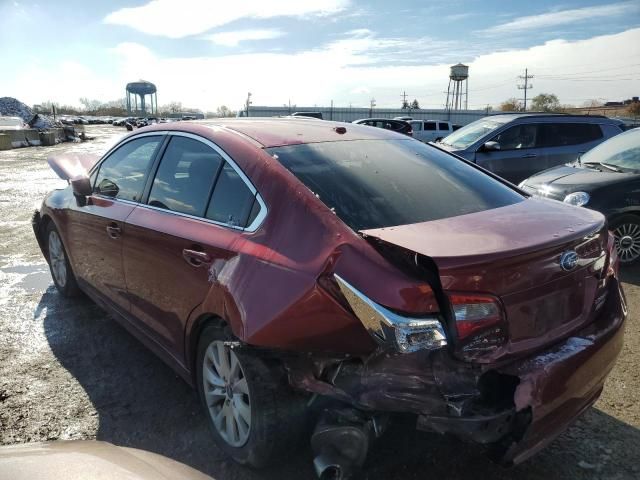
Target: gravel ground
67, 371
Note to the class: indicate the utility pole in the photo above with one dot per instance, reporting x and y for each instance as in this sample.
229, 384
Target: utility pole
526, 86
404, 100
248, 102
372, 103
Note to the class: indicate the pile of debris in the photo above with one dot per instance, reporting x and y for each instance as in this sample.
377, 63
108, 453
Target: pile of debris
14, 108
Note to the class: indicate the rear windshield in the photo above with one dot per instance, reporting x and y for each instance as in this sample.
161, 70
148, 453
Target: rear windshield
383, 183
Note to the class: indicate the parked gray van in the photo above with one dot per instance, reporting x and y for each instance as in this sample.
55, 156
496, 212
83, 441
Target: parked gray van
516, 146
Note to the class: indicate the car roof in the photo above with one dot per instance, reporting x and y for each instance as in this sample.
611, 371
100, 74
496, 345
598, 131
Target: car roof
274, 132
379, 119
505, 117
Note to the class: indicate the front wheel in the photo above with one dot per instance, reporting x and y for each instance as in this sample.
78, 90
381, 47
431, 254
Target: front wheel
626, 231
254, 415
61, 272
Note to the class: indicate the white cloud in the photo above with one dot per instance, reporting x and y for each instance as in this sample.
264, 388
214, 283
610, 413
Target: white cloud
232, 39
564, 17
360, 90
345, 71
177, 19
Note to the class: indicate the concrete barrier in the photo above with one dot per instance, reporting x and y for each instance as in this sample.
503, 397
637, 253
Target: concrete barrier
5, 142
47, 138
29, 137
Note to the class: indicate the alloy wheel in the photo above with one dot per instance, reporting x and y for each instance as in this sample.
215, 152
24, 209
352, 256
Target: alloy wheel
627, 237
57, 259
226, 393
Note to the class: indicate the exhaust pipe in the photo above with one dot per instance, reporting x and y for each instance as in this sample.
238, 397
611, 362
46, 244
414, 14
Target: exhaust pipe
330, 467
340, 444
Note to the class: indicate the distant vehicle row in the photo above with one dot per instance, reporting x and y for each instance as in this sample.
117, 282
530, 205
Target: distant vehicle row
515, 146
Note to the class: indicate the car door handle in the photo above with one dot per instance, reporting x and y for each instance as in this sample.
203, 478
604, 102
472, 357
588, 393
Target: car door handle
529, 155
113, 230
196, 258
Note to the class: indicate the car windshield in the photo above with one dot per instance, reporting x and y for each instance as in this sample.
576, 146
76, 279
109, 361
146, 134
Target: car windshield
383, 183
622, 151
470, 134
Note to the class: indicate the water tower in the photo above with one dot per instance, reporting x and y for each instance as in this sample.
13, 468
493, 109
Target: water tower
141, 90
458, 91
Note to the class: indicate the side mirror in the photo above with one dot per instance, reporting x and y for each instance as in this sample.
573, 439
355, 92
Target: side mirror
491, 147
108, 188
81, 186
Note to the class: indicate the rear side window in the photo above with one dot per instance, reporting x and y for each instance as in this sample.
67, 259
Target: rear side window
185, 177
232, 200
561, 134
382, 183
123, 174
443, 126
429, 125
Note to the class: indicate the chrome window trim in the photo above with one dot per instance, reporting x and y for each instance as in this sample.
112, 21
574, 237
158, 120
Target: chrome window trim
257, 222
193, 217
159, 133
263, 206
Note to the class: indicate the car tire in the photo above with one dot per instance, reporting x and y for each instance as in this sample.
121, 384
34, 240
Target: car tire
277, 415
626, 230
59, 266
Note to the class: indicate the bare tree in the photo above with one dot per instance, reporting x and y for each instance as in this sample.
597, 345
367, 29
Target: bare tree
511, 105
224, 111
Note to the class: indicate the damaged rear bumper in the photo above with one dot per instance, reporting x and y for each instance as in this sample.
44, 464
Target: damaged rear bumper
554, 387
560, 383
514, 409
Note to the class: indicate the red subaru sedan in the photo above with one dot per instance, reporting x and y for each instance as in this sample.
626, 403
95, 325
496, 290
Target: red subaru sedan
303, 272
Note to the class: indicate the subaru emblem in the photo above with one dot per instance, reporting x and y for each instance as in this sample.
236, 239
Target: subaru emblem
568, 260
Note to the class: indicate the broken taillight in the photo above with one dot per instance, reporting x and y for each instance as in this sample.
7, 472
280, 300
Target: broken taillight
474, 313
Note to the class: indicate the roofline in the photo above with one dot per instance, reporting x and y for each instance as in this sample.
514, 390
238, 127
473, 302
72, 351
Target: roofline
543, 114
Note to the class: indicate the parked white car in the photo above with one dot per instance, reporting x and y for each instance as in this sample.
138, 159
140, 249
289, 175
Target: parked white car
430, 130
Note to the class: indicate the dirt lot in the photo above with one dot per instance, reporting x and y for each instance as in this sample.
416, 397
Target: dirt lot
67, 371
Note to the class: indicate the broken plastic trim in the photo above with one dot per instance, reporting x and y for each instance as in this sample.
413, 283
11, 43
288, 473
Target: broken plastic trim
409, 334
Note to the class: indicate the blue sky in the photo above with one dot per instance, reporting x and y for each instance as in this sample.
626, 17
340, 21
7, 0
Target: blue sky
206, 53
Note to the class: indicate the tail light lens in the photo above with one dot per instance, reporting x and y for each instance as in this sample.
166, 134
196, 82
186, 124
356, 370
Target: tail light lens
474, 313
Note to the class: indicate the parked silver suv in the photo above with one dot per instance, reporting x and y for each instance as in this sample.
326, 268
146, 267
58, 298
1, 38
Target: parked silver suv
516, 146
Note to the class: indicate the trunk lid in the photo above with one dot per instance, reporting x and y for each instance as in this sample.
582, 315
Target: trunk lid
514, 253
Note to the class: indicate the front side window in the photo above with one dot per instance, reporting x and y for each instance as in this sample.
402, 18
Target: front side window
232, 200
416, 126
123, 174
472, 133
518, 137
185, 177
384, 183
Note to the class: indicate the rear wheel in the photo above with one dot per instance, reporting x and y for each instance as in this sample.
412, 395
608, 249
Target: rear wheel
626, 231
61, 272
253, 413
